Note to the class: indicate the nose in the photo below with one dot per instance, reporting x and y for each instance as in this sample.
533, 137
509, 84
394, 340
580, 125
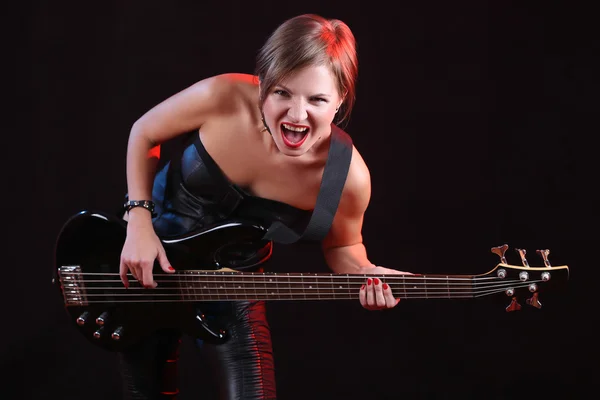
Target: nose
297, 111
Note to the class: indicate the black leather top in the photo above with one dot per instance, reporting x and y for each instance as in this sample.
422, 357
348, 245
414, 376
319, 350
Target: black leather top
188, 195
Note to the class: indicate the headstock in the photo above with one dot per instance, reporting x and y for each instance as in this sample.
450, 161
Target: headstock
525, 278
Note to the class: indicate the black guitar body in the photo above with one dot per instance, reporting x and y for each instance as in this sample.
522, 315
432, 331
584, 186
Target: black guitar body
87, 259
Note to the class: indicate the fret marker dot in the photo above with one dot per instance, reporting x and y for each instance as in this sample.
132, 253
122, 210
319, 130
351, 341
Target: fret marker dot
310, 287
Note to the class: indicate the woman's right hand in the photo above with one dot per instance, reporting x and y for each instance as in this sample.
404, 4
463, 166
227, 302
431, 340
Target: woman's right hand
142, 247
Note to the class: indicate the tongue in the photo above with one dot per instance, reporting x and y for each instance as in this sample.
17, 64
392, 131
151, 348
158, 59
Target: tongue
293, 137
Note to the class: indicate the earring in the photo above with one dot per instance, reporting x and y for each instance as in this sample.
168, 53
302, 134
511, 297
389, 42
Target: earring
265, 127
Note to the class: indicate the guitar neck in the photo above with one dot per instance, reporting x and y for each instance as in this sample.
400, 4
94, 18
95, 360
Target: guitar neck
215, 285
190, 286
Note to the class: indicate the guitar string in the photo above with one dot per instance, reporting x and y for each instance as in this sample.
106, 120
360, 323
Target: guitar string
265, 296
75, 296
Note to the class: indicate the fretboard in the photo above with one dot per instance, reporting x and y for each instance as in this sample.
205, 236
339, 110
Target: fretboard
207, 285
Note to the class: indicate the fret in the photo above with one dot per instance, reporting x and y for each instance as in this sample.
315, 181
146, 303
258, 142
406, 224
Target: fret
187, 282
348, 283
270, 287
191, 282
320, 286
285, 288
201, 283
315, 286
254, 290
333, 286
277, 288
404, 286
225, 286
303, 286
181, 287
297, 287
336, 287
244, 287
210, 286
260, 286
425, 285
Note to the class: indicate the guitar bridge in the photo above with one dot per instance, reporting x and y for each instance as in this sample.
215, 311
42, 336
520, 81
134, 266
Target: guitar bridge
72, 285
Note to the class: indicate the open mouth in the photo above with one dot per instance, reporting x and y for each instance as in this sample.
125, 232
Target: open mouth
294, 136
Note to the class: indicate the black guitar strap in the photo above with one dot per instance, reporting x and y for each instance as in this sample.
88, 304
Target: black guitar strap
332, 184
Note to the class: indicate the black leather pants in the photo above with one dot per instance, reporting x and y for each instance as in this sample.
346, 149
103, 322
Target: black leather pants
243, 365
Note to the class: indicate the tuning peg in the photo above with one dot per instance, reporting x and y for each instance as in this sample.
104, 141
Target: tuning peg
500, 250
522, 253
534, 301
514, 305
544, 254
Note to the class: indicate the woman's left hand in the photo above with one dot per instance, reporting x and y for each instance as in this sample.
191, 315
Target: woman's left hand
375, 294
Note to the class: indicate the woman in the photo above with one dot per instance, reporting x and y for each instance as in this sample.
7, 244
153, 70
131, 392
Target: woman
269, 135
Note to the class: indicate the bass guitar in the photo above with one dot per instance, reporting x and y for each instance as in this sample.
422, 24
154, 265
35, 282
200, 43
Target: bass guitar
211, 265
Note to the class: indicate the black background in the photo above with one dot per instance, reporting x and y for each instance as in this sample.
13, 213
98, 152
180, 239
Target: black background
475, 119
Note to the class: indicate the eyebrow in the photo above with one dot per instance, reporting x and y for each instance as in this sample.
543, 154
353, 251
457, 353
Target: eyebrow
314, 95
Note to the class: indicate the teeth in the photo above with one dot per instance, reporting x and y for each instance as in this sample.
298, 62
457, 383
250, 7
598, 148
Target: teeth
294, 128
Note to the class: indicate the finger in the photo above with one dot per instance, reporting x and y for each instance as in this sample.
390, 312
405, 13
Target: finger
370, 293
135, 272
164, 263
123, 274
146, 275
390, 301
133, 269
362, 295
378, 288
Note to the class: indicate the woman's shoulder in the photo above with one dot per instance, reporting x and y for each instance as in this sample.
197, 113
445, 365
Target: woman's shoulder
228, 86
232, 81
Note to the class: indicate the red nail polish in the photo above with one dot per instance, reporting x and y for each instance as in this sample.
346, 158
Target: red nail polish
171, 268
369, 281
362, 287
386, 286
376, 281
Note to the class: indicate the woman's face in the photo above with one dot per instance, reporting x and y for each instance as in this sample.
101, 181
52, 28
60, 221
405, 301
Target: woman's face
299, 110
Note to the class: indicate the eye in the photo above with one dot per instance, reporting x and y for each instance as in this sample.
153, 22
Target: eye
280, 92
320, 99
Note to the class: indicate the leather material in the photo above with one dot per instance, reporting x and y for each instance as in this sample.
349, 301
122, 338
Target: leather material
184, 193
243, 366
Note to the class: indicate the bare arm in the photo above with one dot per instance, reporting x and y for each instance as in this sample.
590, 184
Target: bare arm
343, 247
183, 112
